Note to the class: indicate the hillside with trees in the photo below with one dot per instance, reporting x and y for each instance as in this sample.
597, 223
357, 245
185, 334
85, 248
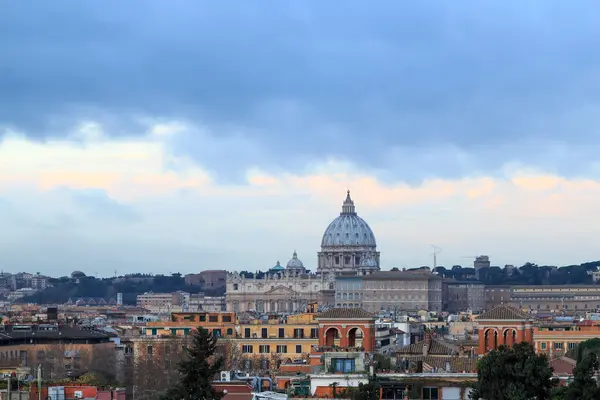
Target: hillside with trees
527, 274
66, 288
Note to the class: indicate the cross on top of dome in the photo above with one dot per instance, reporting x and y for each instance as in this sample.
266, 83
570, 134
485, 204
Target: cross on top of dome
348, 206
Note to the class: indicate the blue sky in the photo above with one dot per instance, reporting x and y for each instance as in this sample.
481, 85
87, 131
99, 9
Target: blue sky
159, 136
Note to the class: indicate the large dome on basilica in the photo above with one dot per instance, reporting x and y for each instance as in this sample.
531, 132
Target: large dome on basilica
348, 229
348, 244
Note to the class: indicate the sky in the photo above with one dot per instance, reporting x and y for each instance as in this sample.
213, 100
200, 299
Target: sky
153, 136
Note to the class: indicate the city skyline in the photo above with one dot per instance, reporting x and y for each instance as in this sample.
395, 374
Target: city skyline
193, 136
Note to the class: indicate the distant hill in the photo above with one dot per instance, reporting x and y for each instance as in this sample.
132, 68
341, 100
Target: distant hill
527, 274
66, 288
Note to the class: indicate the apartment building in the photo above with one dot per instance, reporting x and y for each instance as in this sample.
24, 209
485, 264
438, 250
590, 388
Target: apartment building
545, 299
200, 302
497, 295
292, 337
402, 291
557, 338
348, 292
565, 299
60, 349
463, 296
160, 302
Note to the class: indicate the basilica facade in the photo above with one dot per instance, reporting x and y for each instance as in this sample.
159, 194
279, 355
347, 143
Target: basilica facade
348, 248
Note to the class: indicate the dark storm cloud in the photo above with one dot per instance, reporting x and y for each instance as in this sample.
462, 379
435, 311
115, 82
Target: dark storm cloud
303, 80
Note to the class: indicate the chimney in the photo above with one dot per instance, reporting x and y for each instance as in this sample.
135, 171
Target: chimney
427, 342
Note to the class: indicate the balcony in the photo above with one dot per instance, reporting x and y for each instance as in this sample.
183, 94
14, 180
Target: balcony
336, 349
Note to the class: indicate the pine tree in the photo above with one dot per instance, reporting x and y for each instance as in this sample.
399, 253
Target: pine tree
197, 370
584, 385
513, 373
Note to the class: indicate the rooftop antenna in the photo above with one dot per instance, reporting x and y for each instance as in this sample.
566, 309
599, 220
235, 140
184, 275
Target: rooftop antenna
436, 250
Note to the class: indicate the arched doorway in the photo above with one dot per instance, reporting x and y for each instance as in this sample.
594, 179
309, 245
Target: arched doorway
491, 339
332, 337
355, 337
510, 337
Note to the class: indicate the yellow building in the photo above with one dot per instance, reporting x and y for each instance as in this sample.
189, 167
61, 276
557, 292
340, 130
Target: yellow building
291, 338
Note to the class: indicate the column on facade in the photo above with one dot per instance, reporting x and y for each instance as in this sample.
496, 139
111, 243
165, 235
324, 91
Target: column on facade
529, 333
482, 344
507, 335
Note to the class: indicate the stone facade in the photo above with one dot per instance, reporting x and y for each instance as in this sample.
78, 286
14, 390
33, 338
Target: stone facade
282, 292
348, 292
463, 296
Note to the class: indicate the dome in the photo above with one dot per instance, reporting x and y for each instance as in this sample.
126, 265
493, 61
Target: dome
348, 229
277, 267
295, 263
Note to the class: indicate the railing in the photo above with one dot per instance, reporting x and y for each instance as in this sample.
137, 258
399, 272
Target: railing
330, 349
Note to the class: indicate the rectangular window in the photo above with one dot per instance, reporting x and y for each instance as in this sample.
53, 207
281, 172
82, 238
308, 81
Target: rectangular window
544, 345
281, 332
247, 348
150, 350
298, 333
572, 345
314, 333
430, 393
298, 349
264, 333
282, 348
246, 332
203, 318
226, 318
344, 365
213, 318
264, 349
264, 363
558, 345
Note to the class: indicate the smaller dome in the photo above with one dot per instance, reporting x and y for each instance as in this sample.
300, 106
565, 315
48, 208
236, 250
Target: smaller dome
277, 267
368, 262
295, 263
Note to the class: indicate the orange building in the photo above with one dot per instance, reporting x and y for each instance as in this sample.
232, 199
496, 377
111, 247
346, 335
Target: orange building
503, 325
347, 328
556, 338
292, 338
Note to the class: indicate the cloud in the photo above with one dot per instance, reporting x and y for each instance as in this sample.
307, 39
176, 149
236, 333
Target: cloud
201, 135
96, 204
131, 205
296, 84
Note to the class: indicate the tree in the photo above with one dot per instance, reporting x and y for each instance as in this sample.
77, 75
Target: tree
198, 370
233, 356
154, 370
368, 391
515, 373
584, 385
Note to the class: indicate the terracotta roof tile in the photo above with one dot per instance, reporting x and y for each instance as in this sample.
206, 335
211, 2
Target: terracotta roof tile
437, 347
457, 363
504, 313
401, 276
344, 313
